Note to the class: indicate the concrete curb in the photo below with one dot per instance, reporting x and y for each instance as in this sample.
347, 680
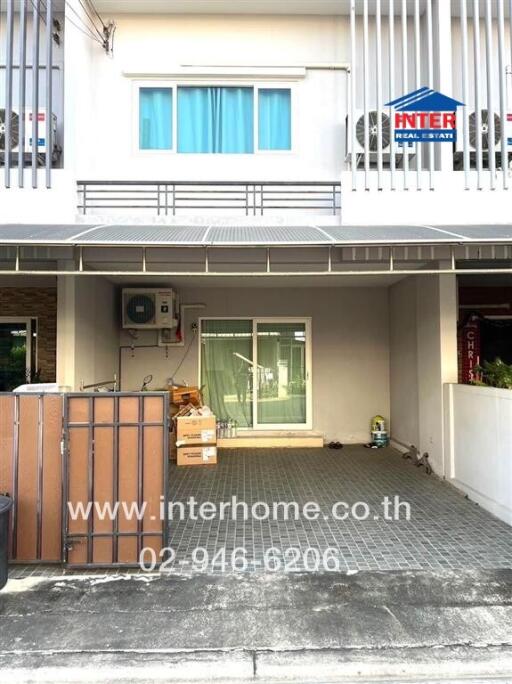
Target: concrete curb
443, 664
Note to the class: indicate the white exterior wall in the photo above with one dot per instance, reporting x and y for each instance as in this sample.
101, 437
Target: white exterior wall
100, 111
437, 359
403, 349
349, 343
156, 47
423, 350
479, 445
87, 331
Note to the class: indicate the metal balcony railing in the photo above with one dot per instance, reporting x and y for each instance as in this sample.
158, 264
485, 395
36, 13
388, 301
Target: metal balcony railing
169, 198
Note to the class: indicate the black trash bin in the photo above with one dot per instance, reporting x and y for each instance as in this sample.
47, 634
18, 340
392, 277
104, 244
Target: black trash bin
5, 507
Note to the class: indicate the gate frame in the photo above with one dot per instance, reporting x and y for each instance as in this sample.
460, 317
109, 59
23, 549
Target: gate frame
67, 539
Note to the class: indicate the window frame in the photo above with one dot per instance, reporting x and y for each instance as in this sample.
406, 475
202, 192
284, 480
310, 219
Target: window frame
138, 86
255, 320
293, 116
174, 84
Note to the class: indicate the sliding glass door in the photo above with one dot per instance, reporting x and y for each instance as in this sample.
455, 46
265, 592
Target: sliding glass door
257, 371
281, 397
226, 369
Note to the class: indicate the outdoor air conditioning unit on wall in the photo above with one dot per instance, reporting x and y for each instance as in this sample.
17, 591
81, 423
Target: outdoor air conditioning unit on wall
27, 142
149, 308
373, 141
487, 144
41, 131
15, 130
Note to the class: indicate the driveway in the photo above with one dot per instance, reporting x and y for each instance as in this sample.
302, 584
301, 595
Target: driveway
444, 531
440, 611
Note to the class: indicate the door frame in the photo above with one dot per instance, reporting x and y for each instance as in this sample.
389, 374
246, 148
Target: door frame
307, 320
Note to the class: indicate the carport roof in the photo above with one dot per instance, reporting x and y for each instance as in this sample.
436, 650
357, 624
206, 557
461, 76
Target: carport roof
248, 235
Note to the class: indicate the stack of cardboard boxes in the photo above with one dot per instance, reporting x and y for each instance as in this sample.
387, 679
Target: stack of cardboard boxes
196, 440
194, 436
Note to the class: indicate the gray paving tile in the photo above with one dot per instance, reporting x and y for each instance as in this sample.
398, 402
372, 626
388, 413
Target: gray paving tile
445, 530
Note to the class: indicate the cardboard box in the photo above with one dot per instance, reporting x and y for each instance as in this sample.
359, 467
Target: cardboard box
196, 430
186, 395
197, 455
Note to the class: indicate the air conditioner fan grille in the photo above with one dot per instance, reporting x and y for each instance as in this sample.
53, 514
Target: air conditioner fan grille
373, 141
140, 309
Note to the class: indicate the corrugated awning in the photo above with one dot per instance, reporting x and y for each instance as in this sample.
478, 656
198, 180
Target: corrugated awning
246, 235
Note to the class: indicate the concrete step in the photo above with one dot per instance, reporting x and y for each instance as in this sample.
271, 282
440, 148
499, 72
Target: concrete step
265, 439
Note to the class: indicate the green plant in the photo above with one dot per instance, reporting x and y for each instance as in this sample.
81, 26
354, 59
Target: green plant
495, 373
17, 356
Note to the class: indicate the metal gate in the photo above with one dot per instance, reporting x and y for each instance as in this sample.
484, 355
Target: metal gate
31, 473
115, 477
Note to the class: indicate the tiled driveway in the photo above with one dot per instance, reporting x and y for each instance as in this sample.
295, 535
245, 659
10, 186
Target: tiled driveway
445, 530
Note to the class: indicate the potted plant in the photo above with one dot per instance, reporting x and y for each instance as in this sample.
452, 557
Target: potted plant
494, 374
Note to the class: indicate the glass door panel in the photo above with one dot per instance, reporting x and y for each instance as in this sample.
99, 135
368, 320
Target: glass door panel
227, 369
15, 356
282, 373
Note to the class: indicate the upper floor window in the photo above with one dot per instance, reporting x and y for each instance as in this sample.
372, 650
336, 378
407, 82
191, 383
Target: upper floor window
275, 119
215, 119
155, 118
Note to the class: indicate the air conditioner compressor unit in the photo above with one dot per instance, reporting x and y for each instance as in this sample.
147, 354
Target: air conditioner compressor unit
41, 131
487, 145
149, 308
27, 141
373, 140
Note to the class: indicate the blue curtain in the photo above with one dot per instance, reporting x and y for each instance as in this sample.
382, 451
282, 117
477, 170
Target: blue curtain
155, 119
216, 120
275, 119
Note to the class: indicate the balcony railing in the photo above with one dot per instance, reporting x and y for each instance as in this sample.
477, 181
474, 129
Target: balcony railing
169, 198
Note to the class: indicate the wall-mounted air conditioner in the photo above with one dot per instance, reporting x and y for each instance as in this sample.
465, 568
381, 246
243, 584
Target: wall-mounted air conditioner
373, 139
41, 131
15, 130
27, 142
149, 308
487, 144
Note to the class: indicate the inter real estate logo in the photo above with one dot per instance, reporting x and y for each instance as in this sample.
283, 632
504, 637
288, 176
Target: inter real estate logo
425, 116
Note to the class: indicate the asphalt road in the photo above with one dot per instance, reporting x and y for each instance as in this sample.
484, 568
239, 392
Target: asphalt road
393, 626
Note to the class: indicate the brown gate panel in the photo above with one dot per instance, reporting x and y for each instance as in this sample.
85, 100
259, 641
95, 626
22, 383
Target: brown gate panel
31, 472
7, 446
128, 490
28, 470
117, 465
153, 479
103, 474
51, 494
77, 491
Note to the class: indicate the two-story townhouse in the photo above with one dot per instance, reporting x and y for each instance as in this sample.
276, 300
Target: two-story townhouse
245, 156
